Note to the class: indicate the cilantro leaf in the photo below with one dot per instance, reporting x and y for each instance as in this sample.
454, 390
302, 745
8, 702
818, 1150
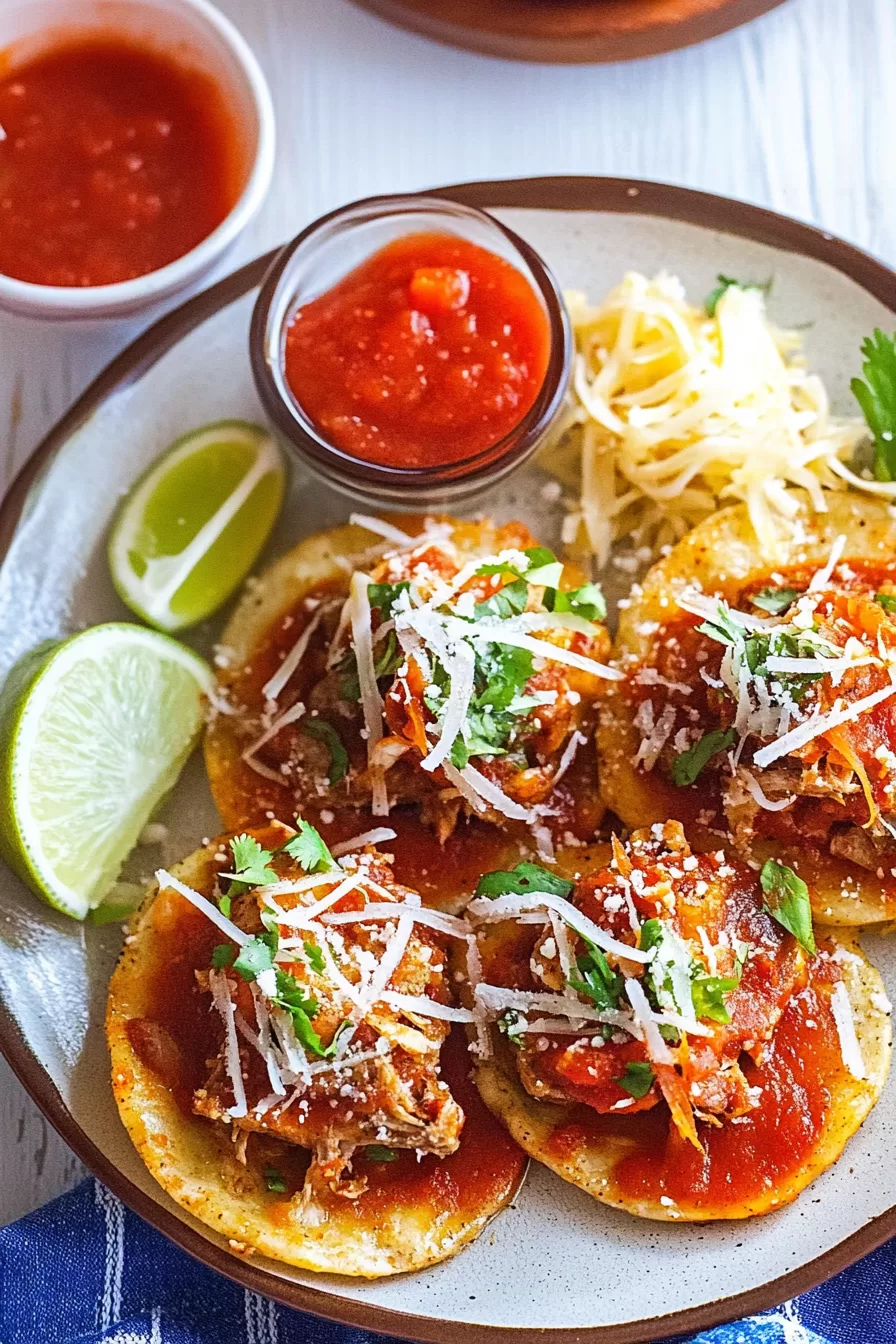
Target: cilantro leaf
776, 600
225, 904
687, 765
726, 282
291, 998
599, 983
540, 562
513, 1026
544, 570
788, 902
651, 934
378, 1152
707, 993
383, 596
250, 865
587, 602
505, 671
637, 1080
507, 601
459, 754
309, 850
274, 1180
315, 956
326, 733
724, 627
223, 955
886, 600
539, 556
522, 879
877, 398
257, 955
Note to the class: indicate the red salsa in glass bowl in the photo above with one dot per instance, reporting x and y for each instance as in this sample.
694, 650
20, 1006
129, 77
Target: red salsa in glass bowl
412, 350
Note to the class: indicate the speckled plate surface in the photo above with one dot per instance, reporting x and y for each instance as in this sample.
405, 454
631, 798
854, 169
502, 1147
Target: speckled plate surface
555, 1261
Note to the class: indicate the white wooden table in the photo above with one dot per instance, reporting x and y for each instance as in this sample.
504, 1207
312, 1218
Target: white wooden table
795, 112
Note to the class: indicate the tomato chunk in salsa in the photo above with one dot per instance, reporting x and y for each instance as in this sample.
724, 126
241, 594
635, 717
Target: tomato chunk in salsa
114, 161
429, 352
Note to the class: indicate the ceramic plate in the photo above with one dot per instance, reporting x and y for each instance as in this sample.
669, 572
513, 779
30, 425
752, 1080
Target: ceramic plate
570, 32
555, 1261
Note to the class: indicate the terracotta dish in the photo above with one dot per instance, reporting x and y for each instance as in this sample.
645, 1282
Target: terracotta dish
570, 32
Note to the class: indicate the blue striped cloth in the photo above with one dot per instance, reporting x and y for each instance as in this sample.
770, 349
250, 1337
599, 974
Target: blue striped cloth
84, 1270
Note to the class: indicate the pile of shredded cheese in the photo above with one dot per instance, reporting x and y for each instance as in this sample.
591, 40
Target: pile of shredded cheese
674, 412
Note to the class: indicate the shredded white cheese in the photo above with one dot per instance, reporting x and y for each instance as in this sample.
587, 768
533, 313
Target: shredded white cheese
846, 1030
675, 412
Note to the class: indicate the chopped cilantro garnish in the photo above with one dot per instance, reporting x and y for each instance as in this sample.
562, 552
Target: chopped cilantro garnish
308, 849
637, 1080
382, 596
754, 648
388, 659
292, 999
225, 904
223, 955
587, 602
521, 880
274, 1180
886, 600
378, 1152
538, 560
877, 398
775, 600
651, 934
787, 901
507, 601
687, 765
326, 733
598, 982
257, 955
547, 572
250, 865
513, 1026
315, 956
726, 282
707, 993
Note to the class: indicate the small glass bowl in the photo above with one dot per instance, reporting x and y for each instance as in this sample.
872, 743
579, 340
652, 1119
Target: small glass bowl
313, 263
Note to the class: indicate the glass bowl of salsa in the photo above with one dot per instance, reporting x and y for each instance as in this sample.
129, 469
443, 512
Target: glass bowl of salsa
410, 350
136, 143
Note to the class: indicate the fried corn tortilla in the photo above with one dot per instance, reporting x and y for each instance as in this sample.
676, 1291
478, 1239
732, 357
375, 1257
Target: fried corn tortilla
301, 742
823, 808
768, 1072
249, 1181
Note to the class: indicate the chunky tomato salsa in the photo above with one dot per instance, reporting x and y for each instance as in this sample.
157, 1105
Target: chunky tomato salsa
114, 162
428, 353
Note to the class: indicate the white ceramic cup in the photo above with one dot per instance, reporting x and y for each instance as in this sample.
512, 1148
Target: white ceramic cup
197, 35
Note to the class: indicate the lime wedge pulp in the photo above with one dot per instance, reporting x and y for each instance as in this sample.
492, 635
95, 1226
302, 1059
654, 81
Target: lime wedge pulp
190, 530
94, 732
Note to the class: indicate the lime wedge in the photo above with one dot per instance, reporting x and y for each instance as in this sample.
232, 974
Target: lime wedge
191, 528
94, 732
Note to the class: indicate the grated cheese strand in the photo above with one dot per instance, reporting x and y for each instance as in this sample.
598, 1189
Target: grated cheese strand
819, 724
220, 987
846, 1031
371, 700
167, 882
277, 683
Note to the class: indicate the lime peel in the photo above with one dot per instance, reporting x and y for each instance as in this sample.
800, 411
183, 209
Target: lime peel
94, 732
152, 591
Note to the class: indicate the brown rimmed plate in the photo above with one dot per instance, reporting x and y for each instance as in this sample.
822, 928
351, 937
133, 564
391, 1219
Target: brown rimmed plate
569, 32
557, 1267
